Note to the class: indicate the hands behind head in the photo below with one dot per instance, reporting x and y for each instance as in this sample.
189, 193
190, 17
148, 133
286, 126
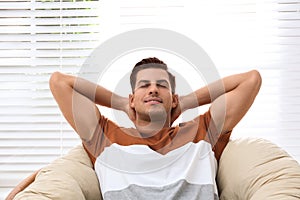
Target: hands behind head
131, 113
176, 112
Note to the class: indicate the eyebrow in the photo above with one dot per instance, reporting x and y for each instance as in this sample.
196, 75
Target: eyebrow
143, 81
162, 81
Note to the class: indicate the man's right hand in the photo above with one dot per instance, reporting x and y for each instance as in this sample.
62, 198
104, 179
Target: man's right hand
131, 113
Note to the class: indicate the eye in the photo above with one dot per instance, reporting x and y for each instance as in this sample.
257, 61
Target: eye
162, 85
144, 85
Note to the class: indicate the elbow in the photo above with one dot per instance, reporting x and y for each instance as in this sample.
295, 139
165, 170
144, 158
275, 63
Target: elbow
255, 79
54, 80
59, 81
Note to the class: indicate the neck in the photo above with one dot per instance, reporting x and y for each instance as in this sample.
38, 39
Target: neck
149, 128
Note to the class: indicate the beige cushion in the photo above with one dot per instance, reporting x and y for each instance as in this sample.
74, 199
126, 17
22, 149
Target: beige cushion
257, 169
70, 177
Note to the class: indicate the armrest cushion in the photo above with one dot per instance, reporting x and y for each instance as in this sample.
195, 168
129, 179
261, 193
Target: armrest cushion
257, 169
68, 177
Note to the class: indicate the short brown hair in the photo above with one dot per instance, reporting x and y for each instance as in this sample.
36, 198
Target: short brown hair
147, 63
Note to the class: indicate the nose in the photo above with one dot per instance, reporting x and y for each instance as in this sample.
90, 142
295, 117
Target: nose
153, 89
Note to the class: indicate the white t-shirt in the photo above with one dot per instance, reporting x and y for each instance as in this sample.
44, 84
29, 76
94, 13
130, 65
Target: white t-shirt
176, 163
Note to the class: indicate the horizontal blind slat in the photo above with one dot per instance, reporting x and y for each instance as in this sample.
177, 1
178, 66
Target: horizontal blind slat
48, 45
260, 34
48, 29
50, 37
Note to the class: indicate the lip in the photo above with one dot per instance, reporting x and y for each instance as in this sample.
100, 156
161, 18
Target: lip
153, 100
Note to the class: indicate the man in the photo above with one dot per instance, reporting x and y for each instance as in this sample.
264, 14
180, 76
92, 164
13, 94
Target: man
155, 160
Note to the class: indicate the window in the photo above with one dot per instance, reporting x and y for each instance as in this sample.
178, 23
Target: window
38, 37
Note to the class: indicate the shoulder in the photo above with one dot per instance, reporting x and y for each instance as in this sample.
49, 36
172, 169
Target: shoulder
203, 128
196, 129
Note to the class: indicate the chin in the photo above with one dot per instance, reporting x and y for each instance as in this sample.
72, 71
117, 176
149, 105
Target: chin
157, 114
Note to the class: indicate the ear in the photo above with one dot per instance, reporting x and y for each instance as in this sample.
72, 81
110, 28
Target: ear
174, 100
131, 100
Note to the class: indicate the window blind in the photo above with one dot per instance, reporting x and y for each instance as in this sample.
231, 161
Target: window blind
262, 35
38, 37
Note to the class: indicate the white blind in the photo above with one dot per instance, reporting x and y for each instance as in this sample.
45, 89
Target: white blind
242, 35
38, 37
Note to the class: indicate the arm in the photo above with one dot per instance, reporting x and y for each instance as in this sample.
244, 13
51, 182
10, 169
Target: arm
230, 98
77, 99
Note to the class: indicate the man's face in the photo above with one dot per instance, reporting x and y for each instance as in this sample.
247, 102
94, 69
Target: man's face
152, 96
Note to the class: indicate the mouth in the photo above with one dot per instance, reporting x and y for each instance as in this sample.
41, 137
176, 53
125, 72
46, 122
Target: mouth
153, 100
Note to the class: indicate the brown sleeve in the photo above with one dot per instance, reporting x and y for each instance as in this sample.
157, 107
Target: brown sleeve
217, 140
100, 139
221, 144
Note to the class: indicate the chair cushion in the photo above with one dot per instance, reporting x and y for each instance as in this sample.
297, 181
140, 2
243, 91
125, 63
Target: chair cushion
257, 169
68, 177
